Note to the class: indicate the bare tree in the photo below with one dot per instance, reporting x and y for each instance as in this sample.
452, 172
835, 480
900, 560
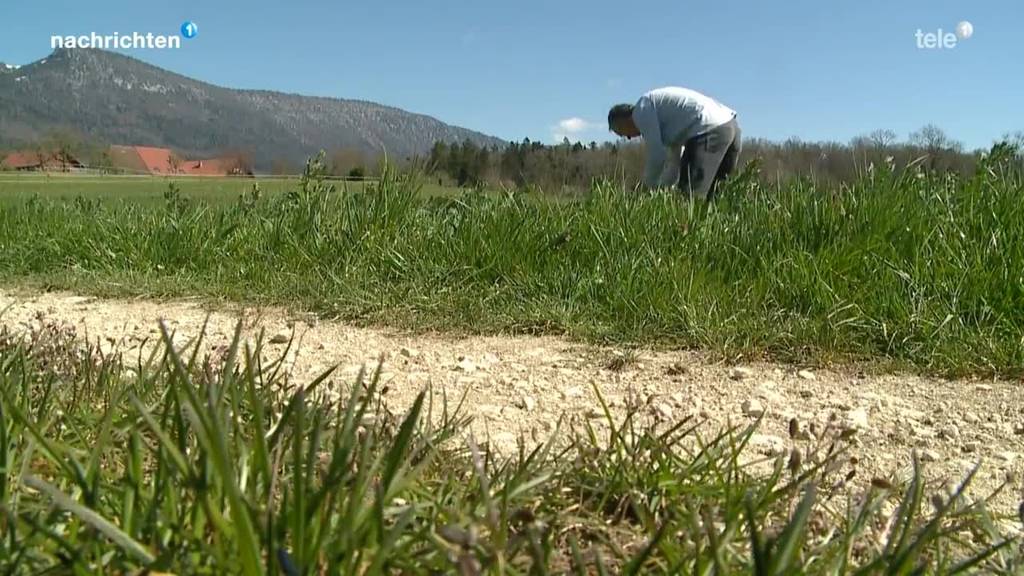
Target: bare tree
862, 143
348, 161
882, 138
104, 162
60, 146
934, 139
238, 162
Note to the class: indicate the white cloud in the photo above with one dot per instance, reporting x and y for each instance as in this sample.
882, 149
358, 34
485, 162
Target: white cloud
573, 125
571, 128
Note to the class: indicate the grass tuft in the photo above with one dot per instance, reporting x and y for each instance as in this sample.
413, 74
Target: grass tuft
195, 465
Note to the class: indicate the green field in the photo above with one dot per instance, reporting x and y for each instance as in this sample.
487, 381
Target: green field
16, 187
143, 189
193, 466
923, 269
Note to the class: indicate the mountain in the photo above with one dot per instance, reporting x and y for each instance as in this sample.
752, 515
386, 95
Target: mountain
122, 100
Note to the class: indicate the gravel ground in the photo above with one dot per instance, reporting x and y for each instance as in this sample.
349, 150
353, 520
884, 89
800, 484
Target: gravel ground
522, 386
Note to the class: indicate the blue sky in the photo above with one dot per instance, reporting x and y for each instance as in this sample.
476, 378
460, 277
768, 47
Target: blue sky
818, 70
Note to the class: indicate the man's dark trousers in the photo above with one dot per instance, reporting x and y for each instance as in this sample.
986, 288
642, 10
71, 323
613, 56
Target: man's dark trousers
708, 158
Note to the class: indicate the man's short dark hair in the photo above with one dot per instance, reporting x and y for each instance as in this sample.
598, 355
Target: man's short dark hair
619, 112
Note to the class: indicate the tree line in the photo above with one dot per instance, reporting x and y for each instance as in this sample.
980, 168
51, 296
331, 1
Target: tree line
574, 165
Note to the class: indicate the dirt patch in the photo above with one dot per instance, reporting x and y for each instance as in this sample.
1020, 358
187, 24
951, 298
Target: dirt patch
522, 386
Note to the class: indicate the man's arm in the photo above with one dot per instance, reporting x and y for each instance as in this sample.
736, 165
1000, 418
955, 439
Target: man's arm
646, 119
670, 176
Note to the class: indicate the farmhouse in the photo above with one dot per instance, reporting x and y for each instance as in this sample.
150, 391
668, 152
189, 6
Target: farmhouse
34, 161
143, 160
163, 161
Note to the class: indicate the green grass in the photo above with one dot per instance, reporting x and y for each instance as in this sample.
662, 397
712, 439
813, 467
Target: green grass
196, 465
917, 268
17, 187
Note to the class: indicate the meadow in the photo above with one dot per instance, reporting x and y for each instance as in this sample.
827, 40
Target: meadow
187, 463
918, 268
149, 190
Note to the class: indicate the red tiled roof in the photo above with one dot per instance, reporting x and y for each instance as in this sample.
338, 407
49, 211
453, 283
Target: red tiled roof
17, 160
144, 159
164, 161
210, 167
25, 159
127, 158
157, 160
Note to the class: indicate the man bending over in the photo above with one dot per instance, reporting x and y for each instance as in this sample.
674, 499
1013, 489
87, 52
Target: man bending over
693, 141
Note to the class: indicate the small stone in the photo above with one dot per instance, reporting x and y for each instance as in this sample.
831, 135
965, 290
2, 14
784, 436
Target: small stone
280, 338
949, 432
740, 373
677, 369
465, 365
409, 352
1007, 457
857, 419
768, 445
971, 418
971, 447
983, 388
573, 392
662, 412
1019, 429
806, 375
930, 456
753, 408
806, 394
876, 401
527, 403
922, 433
